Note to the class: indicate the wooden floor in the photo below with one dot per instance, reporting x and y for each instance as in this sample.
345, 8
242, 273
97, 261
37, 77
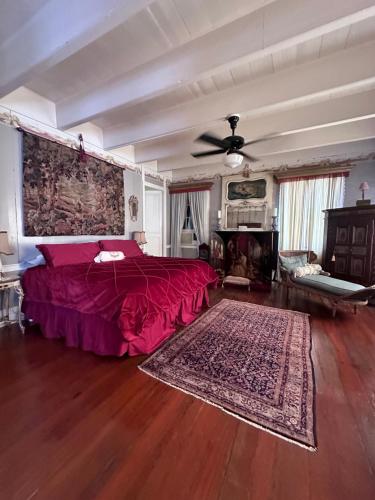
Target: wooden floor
77, 426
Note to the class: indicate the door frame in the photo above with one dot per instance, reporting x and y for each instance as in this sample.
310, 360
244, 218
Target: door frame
163, 190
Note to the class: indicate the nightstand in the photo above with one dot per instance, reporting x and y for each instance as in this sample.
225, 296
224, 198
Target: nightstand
6, 285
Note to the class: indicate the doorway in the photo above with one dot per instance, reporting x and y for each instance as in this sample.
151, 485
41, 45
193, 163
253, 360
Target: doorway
153, 220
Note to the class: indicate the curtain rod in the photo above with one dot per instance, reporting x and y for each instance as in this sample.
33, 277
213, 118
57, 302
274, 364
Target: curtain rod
310, 177
189, 187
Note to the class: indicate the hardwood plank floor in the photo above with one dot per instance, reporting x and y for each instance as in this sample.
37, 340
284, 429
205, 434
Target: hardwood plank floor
78, 426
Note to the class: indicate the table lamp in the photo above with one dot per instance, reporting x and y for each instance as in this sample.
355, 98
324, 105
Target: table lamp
363, 187
140, 238
4, 248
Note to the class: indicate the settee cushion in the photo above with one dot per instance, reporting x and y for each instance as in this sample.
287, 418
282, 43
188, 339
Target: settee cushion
292, 262
328, 284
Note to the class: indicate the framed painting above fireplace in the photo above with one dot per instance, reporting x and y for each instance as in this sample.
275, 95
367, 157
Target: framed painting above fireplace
246, 189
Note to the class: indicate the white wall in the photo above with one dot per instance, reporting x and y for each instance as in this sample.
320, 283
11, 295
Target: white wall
133, 186
11, 212
90, 132
363, 171
32, 105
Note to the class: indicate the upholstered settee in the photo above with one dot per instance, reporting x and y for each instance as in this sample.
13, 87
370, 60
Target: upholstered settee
334, 290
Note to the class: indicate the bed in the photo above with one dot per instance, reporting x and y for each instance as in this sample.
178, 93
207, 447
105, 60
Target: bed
113, 308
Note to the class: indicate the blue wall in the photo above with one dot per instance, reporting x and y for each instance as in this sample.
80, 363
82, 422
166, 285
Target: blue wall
363, 171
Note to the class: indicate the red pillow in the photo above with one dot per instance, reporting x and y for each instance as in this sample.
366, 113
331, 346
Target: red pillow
129, 247
69, 253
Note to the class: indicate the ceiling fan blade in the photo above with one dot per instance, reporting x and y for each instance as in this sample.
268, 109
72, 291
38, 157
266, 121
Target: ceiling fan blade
260, 139
245, 155
212, 139
208, 153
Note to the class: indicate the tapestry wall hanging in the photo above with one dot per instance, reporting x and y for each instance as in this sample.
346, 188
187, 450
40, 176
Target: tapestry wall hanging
65, 196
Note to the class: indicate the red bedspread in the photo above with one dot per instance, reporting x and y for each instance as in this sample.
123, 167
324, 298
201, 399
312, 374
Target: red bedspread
128, 306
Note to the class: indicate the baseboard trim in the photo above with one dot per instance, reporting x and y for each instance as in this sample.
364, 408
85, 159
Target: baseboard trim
11, 268
13, 316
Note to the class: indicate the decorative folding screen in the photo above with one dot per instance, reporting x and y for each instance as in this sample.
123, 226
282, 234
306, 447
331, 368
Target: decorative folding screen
65, 196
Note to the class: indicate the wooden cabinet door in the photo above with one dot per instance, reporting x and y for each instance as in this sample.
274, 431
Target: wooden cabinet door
362, 235
341, 250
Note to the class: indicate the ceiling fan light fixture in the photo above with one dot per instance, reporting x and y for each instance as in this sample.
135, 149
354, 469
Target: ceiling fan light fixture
233, 160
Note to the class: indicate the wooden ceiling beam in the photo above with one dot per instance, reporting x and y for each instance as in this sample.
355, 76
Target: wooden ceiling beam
316, 138
276, 26
55, 32
311, 115
344, 71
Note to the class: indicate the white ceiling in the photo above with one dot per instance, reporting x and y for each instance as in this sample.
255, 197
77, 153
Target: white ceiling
158, 73
164, 25
247, 71
15, 13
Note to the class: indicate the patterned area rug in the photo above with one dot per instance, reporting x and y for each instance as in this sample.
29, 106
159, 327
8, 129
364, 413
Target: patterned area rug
251, 361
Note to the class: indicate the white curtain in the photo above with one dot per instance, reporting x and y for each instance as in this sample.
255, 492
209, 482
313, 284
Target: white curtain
178, 213
301, 211
199, 209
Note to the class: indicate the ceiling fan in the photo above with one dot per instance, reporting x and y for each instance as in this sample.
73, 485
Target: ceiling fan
231, 145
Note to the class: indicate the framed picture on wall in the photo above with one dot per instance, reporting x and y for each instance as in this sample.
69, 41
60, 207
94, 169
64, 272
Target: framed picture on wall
247, 189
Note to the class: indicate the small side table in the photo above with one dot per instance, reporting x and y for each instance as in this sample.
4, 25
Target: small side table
6, 285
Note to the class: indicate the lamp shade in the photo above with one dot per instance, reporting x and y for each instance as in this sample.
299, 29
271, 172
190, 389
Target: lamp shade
4, 243
233, 160
364, 186
140, 237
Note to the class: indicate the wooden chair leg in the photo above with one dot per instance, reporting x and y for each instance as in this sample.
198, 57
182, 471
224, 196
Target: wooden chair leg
334, 310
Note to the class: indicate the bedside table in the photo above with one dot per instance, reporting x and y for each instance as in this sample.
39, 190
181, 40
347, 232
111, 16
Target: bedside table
6, 285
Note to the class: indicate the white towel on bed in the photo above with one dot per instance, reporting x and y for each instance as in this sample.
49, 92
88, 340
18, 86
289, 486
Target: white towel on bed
109, 256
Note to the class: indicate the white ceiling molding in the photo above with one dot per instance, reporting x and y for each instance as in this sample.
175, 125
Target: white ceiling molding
319, 137
321, 114
316, 78
354, 151
253, 36
55, 32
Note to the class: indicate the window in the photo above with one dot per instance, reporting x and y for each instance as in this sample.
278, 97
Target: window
188, 224
302, 201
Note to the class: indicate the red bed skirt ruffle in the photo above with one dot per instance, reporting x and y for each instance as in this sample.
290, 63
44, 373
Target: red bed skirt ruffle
92, 333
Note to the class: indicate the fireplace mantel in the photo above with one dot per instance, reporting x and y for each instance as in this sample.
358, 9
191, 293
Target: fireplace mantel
247, 199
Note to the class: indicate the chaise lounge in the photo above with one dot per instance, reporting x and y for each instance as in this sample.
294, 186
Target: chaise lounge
337, 292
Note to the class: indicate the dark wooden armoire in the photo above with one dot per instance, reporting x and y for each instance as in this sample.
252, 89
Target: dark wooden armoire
349, 246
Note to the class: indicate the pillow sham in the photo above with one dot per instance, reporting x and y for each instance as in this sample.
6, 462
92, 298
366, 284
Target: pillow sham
63, 254
129, 248
290, 263
39, 260
307, 270
104, 256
